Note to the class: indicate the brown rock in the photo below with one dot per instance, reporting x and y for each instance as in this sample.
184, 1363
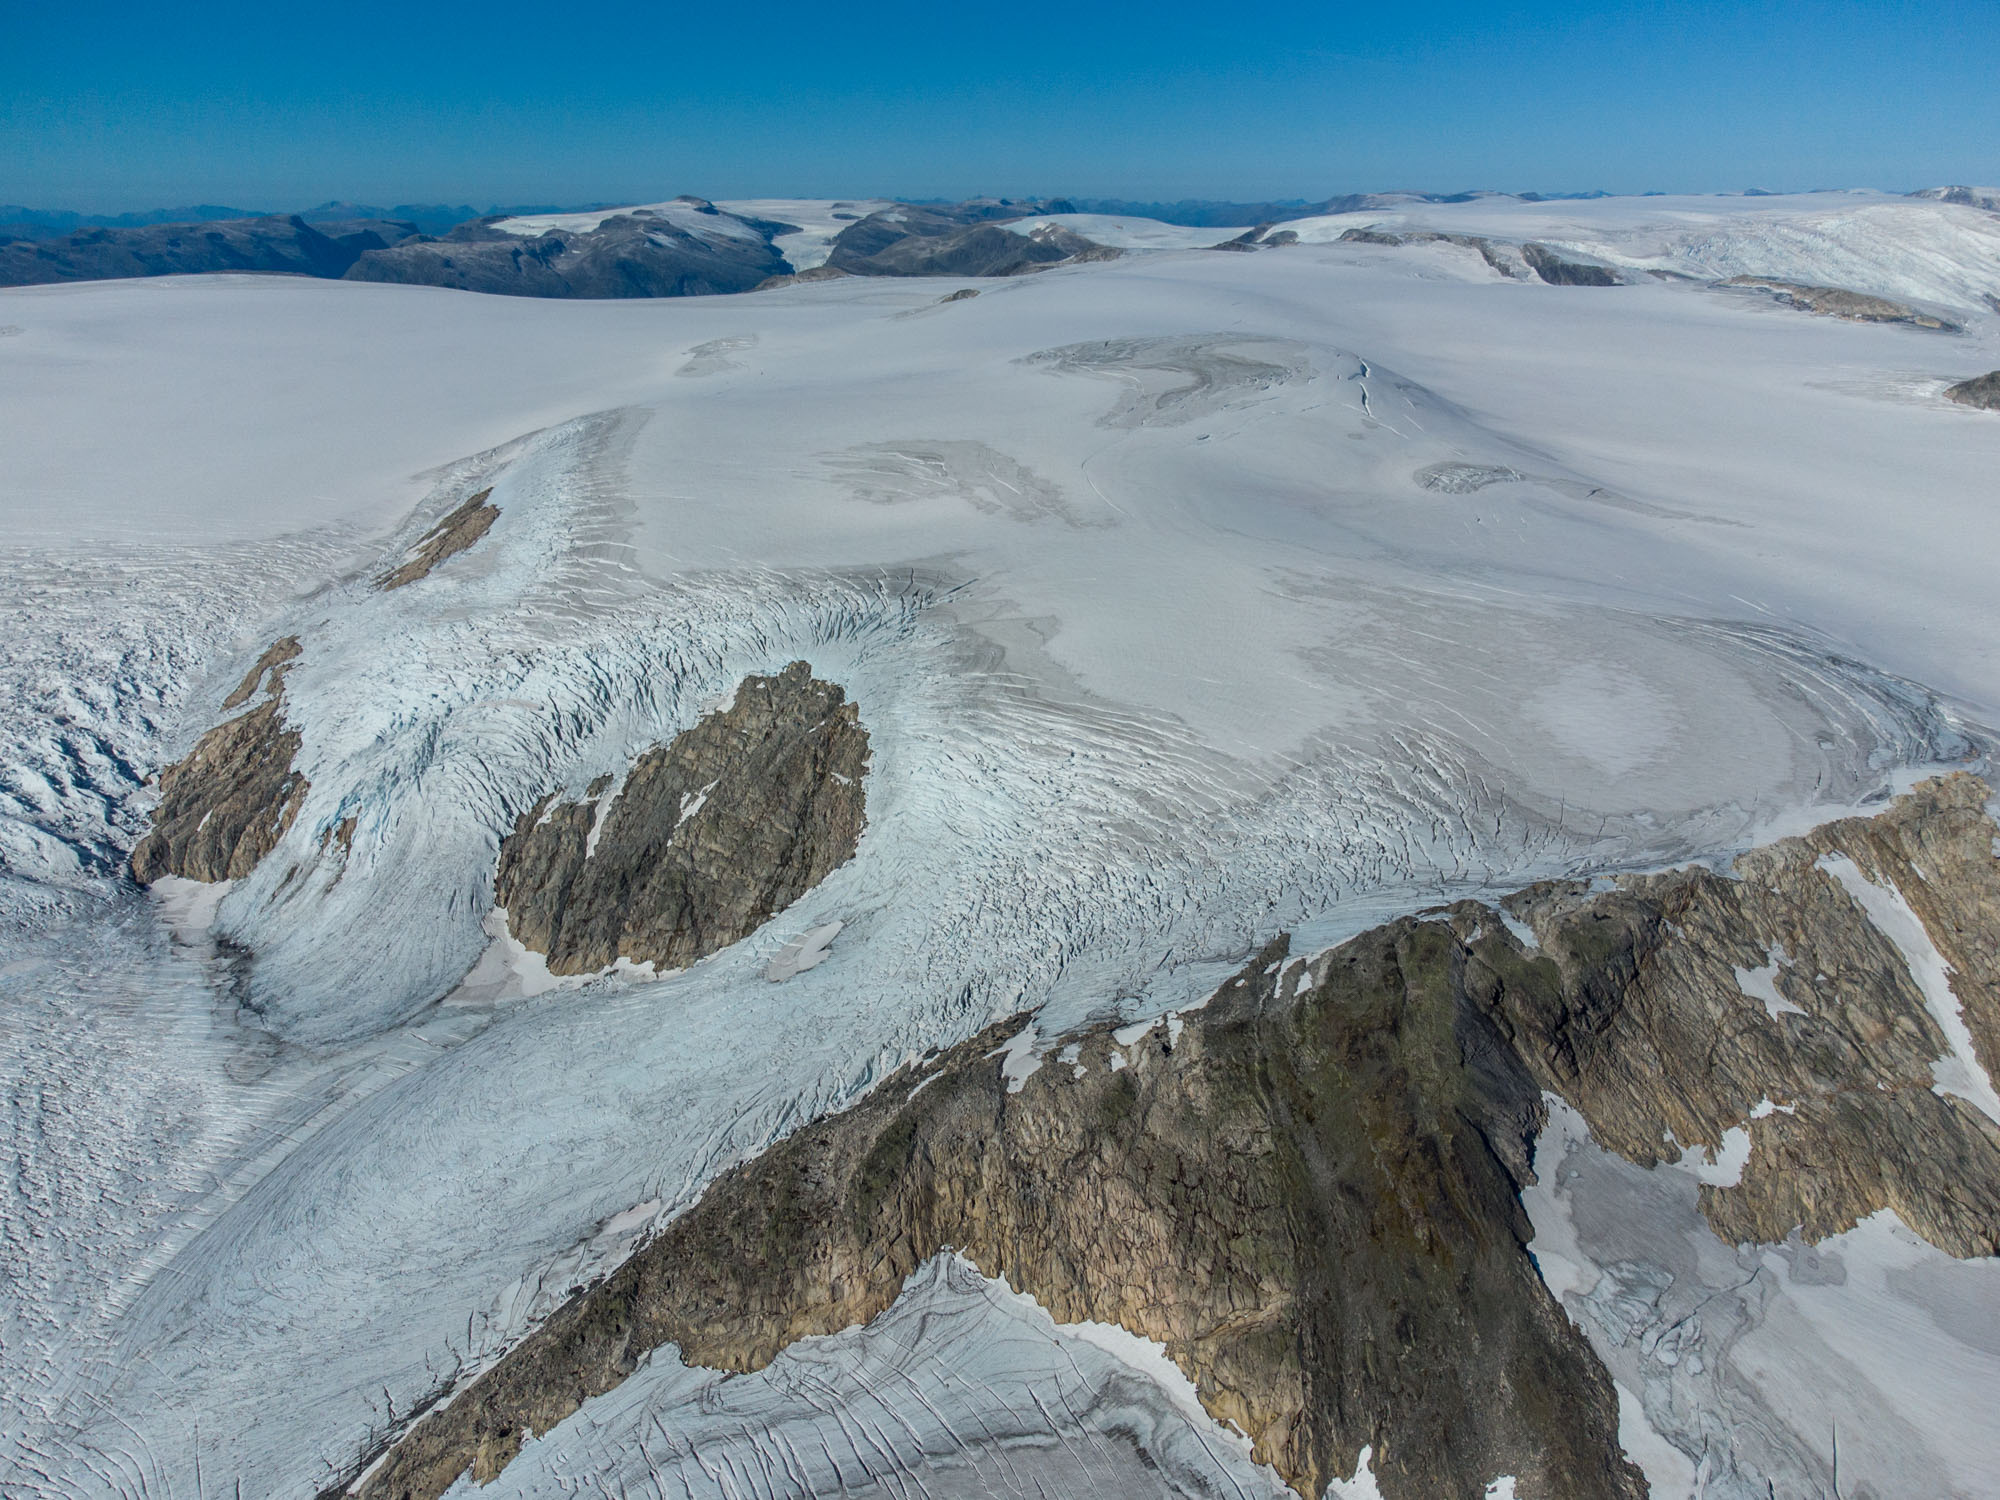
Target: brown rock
1309, 1197
226, 805
709, 837
1838, 302
448, 538
1982, 391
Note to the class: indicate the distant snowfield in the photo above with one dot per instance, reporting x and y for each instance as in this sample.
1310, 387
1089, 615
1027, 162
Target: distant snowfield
1186, 598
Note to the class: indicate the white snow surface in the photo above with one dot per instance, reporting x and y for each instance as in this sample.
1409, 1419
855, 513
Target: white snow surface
1163, 647
1738, 1370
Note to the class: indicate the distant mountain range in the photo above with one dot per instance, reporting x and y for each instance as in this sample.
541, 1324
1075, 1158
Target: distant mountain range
685, 247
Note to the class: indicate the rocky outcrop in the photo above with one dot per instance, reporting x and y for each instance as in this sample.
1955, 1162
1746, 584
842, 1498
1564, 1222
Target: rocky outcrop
287, 245
637, 254
1307, 1190
959, 240
1679, 1008
1964, 197
1558, 269
709, 836
1838, 302
226, 805
451, 536
1492, 252
1982, 391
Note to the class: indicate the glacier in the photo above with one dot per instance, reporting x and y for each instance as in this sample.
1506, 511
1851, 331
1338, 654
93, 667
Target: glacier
1163, 646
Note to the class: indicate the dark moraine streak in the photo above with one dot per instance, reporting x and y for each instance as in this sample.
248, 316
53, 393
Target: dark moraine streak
710, 836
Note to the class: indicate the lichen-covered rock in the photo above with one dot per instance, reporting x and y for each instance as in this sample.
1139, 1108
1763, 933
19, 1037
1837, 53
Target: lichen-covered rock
710, 835
1309, 1195
451, 536
226, 805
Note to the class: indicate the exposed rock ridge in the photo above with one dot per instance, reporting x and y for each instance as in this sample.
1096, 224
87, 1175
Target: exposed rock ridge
451, 536
1307, 1192
1638, 1009
710, 835
226, 805
1490, 251
1838, 302
1982, 391
1558, 269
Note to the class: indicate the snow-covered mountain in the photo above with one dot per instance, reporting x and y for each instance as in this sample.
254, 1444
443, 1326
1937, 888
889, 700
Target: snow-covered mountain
1187, 599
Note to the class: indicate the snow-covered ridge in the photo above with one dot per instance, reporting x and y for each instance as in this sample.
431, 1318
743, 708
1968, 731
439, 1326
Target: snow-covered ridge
1917, 248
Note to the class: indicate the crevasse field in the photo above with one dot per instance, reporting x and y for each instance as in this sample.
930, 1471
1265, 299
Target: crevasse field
1187, 599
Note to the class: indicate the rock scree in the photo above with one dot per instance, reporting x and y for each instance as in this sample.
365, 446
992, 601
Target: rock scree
226, 805
1307, 1189
710, 835
451, 536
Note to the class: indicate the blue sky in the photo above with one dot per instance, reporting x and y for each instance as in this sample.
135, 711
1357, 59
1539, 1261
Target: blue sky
121, 106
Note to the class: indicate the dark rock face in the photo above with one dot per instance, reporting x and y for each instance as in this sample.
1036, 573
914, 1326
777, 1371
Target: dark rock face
641, 254
1982, 391
1838, 302
451, 536
962, 240
287, 245
1558, 270
1307, 1190
1308, 1194
710, 836
225, 806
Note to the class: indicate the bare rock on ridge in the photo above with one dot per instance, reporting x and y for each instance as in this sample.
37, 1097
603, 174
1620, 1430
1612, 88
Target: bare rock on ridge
1838, 302
962, 240
640, 253
710, 836
451, 536
1307, 1192
1677, 1009
226, 805
1559, 270
1982, 391
1492, 252
280, 245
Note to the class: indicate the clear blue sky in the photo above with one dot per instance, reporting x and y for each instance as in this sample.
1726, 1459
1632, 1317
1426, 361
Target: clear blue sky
119, 106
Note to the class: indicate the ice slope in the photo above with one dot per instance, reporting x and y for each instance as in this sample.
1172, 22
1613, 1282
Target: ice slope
1161, 642
1127, 232
1903, 248
683, 214
1867, 1364
818, 221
